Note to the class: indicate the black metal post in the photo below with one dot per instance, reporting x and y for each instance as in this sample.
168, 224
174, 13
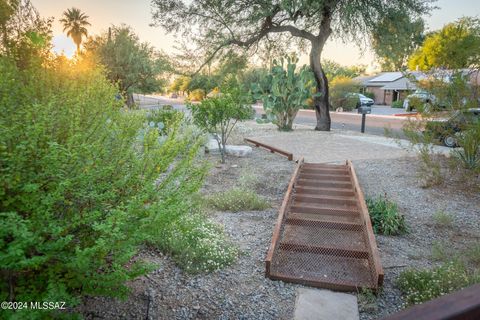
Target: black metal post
363, 122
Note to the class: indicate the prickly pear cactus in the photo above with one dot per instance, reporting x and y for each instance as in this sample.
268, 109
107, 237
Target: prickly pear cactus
285, 92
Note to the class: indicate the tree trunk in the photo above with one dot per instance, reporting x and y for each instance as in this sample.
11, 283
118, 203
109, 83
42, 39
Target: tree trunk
130, 100
321, 100
221, 146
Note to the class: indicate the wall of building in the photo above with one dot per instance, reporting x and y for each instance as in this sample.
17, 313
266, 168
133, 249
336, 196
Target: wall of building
386, 97
379, 94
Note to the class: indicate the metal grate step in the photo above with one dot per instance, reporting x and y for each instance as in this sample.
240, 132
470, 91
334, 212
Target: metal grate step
323, 236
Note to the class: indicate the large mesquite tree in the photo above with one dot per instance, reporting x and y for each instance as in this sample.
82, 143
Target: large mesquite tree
222, 23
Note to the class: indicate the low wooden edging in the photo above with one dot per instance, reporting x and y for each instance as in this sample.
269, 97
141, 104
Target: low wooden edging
460, 305
281, 216
272, 149
379, 274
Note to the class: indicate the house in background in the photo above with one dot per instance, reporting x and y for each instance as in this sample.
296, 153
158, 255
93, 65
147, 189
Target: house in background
388, 86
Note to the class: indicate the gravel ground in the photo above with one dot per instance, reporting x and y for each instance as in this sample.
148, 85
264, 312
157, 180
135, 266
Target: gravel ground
241, 291
398, 179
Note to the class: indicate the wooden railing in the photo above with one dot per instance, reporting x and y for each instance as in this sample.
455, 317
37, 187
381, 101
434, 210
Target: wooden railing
272, 149
281, 215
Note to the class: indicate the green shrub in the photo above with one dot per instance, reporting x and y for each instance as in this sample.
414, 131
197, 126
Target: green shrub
349, 103
196, 95
238, 199
442, 218
341, 89
415, 103
385, 216
84, 184
197, 245
164, 119
397, 104
419, 286
219, 115
469, 155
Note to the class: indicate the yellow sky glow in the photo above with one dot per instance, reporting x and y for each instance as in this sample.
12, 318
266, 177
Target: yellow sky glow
63, 45
137, 14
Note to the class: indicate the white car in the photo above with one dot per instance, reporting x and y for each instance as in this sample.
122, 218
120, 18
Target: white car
363, 100
421, 95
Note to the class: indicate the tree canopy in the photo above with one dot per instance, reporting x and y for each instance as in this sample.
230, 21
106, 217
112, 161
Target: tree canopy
333, 69
455, 46
395, 39
133, 65
218, 24
25, 36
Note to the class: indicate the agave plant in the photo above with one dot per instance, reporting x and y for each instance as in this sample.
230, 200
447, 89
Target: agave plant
470, 152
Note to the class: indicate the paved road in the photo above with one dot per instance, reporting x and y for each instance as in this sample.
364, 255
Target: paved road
348, 121
373, 124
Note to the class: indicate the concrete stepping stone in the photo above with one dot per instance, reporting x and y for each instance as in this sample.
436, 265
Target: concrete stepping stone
315, 304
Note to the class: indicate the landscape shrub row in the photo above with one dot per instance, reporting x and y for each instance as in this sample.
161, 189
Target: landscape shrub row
86, 183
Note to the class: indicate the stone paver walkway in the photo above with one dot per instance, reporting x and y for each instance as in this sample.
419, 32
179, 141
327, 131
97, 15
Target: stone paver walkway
315, 304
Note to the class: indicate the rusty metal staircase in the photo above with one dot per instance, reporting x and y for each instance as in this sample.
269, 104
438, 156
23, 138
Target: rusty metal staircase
323, 236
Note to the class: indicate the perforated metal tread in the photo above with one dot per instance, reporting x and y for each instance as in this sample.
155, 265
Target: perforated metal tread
323, 236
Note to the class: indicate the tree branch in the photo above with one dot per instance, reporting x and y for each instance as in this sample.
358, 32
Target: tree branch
267, 27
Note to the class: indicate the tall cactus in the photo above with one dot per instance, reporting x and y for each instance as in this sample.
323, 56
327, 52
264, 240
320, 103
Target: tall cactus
285, 92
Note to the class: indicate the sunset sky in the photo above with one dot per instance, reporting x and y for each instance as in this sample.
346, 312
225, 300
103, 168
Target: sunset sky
137, 13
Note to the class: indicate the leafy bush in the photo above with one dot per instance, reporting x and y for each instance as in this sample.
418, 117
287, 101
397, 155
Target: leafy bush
196, 95
132, 65
349, 103
84, 184
397, 104
238, 199
284, 92
420, 286
340, 93
385, 216
197, 245
416, 103
164, 119
202, 83
219, 115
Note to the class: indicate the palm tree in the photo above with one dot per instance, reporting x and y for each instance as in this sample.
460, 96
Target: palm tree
75, 21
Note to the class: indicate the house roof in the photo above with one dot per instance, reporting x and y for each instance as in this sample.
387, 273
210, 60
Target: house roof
400, 84
379, 80
363, 80
398, 81
387, 77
